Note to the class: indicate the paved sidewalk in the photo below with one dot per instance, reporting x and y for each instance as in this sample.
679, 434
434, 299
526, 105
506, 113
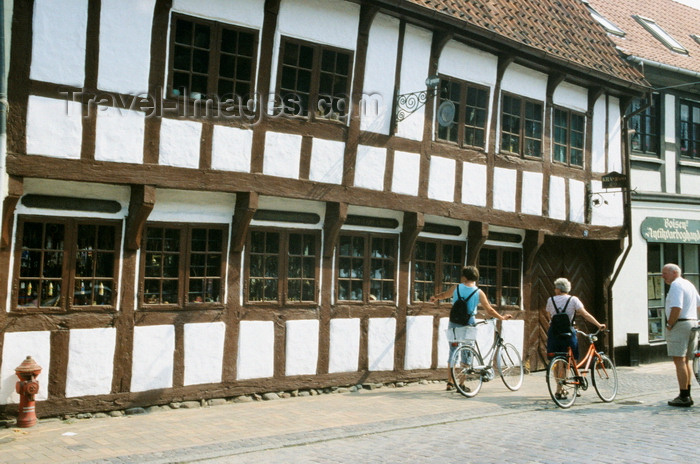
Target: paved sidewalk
184, 435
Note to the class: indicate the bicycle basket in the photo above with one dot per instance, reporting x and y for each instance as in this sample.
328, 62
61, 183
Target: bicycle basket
458, 334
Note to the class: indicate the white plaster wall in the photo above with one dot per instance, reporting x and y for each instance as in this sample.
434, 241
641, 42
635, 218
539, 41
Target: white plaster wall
282, 155
54, 127
327, 158
504, 187
406, 173
414, 72
468, 63
179, 143
344, 350
670, 165
443, 343
670, 118
598, 148
302, 347
524, 81
204, 352
614, 135
380, 345
441, 183
607, 215
419, 342
690, 184
370, 165
531, 198
577, 201
152, 366
557, 198
646, 181
571, 96
118, 193
119, 135
16, 347
291, 204
185, 205
378, 85
90, 361
125, 45
302, 19
231, 149
244, 12
256, 349
59, 31
474, 184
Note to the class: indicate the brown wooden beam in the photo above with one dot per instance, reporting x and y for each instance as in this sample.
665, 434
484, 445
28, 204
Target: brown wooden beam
413, 224
476, 236
336, 214
143, 199
246, 206
534, 239
15, 189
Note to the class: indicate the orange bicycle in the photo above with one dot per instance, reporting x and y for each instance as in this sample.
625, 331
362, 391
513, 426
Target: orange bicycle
565, 376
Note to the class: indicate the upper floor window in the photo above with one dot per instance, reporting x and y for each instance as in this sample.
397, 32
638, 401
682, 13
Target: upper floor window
690, 129
645, 125
568, 137
437, 266
366, 268
314, 80
282, 266
211, 60
521, 126
471, 110
66, 264
182, 265
500, 270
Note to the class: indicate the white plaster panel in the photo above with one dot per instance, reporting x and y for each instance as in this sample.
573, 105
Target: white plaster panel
468, 63
504, 187
378, 87
300, 18
525, 81
118, 193
414, 72
670, 118
513, 331
16, 347
327, 157
204, 352
443, 343
54, 127
370, 165
646, 181
571, 96
125, 45
119, 135
179, 143
380, 349
344, 351
577, 201
441, 183
557, 198
244, 12
256, 350
474, 184
282, 155
302, 347
152, 366
184, 205
406, 173
90, 361
598, 148
614, 135
231, 149
670, 170
59, 31
531, 201
610, 214
690, 184
419, 342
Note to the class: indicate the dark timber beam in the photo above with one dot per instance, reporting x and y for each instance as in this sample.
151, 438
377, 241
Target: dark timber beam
336, 214
413, 224
143, 199
15, 188
246, 206
534, 239
477, 234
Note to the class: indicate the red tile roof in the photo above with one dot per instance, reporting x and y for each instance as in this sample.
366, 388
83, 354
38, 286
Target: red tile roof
562, 29
678, 20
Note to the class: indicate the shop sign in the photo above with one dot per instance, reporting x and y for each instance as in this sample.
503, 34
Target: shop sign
614, 180
669, 230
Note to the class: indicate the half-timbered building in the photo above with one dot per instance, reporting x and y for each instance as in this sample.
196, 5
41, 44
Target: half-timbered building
213, 198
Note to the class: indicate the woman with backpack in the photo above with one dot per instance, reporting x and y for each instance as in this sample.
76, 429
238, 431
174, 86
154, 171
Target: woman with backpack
464, 312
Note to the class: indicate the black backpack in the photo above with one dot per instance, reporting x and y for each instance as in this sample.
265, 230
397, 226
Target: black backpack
560, 323
459, 314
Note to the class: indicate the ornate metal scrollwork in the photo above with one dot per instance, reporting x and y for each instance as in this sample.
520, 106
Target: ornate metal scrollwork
408, 103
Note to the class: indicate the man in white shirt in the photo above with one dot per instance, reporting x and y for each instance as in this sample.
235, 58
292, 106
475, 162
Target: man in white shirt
682, 307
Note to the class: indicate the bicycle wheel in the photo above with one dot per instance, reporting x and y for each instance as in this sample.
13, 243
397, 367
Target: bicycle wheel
696, 365
561, 381
604, 376
510, 366
468, 379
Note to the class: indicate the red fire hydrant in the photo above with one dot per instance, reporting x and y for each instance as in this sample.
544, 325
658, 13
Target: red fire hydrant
27, 387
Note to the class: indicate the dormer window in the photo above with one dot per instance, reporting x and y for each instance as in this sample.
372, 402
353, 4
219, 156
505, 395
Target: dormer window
661, 35
603, 21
